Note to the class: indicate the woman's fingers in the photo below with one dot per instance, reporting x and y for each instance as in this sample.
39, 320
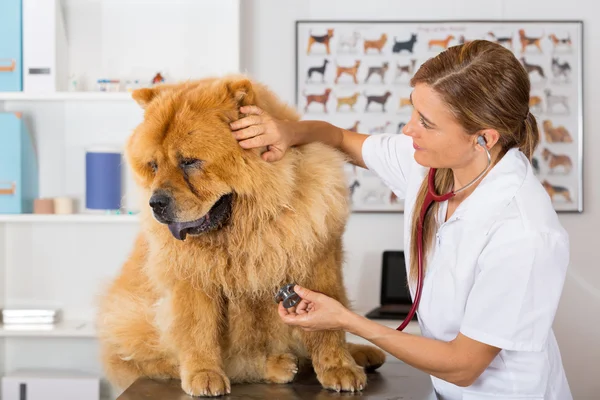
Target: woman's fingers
251, 110
256, 141
246, 122
249, 132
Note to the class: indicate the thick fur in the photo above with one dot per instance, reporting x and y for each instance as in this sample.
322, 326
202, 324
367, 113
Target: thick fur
202, 310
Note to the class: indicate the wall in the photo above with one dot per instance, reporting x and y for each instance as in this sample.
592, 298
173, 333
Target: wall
268, 28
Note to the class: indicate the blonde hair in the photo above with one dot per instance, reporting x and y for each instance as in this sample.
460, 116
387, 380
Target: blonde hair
484, 86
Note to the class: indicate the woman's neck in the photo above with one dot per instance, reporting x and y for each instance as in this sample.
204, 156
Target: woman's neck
464, 175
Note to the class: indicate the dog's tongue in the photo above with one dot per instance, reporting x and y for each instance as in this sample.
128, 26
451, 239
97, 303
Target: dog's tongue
179, 230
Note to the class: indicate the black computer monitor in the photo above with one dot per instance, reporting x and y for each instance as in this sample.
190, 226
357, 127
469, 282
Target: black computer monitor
394, 288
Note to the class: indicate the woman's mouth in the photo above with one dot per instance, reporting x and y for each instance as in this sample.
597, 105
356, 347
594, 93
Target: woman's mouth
416, 147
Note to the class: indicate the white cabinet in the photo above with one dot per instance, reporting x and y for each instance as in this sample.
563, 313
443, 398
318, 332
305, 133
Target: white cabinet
64, 260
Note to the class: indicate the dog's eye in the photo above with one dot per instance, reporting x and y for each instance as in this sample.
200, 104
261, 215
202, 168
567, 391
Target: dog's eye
153, 166
190, 163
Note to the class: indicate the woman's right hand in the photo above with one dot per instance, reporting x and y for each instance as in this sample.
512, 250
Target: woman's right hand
259, 129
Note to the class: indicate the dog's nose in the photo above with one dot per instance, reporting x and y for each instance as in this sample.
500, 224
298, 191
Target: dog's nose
159, 201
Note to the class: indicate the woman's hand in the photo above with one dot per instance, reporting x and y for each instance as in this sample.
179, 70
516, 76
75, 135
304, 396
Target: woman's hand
315, 312
259, 129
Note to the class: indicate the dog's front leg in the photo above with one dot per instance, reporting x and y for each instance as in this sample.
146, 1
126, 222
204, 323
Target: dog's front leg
194, 334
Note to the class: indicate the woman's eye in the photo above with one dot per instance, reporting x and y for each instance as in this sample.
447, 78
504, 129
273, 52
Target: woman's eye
423, 123
190, 163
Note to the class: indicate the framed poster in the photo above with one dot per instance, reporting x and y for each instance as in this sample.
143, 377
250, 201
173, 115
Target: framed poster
355, 74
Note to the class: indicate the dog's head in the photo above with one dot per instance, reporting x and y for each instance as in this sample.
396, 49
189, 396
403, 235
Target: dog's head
545, 154
330, 33
184, 156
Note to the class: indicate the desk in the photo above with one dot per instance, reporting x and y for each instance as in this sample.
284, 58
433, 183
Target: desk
394, 380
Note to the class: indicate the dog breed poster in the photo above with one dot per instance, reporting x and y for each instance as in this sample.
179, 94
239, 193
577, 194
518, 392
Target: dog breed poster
356, 74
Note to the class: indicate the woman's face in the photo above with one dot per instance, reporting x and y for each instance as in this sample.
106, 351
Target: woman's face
438, 139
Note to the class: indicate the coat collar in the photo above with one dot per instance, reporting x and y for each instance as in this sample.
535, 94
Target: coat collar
496, 190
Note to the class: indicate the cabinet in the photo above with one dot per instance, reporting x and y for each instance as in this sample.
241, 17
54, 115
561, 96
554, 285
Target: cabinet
64, 260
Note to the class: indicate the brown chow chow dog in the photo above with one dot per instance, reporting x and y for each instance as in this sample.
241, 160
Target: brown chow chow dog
221, 231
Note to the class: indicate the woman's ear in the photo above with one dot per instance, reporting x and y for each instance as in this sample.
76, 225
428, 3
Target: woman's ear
491, 137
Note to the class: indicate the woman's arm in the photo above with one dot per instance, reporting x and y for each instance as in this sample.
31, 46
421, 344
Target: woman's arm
259, 129
459, 361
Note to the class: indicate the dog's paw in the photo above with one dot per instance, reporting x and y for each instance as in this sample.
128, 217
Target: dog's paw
368, 357
206, 383
348, 379
281, 368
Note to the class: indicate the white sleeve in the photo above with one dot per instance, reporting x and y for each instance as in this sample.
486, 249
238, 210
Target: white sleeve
390, 156
515, 295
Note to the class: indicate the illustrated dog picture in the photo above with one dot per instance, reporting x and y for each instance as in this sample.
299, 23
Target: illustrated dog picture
443, 43
322, 40
317, 98
506, 41
560, 43
555, 190
195, 301
378, 70
535, 104
557, 160
382, 99
404, 102
375, 44
354, 128
349, 101
554, 99
528, 41
407, 45
531, 68
408, 69
401, 125
351, 70
558, 134
381, 128
561, 69
348, 43
317, 70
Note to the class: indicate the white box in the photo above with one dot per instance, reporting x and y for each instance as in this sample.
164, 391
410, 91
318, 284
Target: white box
45, 52
50, 385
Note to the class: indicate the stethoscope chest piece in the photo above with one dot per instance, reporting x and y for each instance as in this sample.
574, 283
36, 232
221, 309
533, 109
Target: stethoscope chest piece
287, 295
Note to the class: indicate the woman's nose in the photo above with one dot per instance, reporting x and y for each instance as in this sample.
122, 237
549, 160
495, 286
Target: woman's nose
410, 129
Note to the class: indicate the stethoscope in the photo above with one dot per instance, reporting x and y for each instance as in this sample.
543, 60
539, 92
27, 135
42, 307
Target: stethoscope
290, 298
430, 197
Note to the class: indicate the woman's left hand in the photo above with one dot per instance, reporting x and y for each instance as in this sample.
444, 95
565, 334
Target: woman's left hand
315, 312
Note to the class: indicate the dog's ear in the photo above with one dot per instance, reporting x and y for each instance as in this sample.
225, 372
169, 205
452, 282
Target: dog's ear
242, 91
145, 96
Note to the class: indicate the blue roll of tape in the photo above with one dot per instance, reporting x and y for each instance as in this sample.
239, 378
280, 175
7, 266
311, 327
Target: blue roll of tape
103, 186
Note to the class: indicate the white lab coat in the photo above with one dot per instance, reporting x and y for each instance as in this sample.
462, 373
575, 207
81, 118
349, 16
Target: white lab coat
495, 272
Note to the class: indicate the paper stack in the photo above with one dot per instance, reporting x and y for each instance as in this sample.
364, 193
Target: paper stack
26, 316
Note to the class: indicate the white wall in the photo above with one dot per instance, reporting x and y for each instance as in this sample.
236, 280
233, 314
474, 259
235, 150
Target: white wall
268, 28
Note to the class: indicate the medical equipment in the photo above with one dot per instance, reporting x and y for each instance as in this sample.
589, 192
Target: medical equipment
288, 296
429, 199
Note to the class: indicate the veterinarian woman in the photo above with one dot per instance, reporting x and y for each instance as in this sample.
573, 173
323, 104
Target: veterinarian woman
495, 253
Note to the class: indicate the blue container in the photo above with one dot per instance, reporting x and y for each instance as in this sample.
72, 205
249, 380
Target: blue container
18, 166
103, 188
11, 66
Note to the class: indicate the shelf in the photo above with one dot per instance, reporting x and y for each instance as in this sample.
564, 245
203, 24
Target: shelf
70, 218
77, 329
60, 96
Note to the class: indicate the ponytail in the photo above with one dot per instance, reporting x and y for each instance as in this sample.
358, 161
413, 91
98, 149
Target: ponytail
529, 137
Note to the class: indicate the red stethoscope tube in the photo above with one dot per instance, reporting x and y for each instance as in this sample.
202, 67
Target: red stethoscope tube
430, 197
